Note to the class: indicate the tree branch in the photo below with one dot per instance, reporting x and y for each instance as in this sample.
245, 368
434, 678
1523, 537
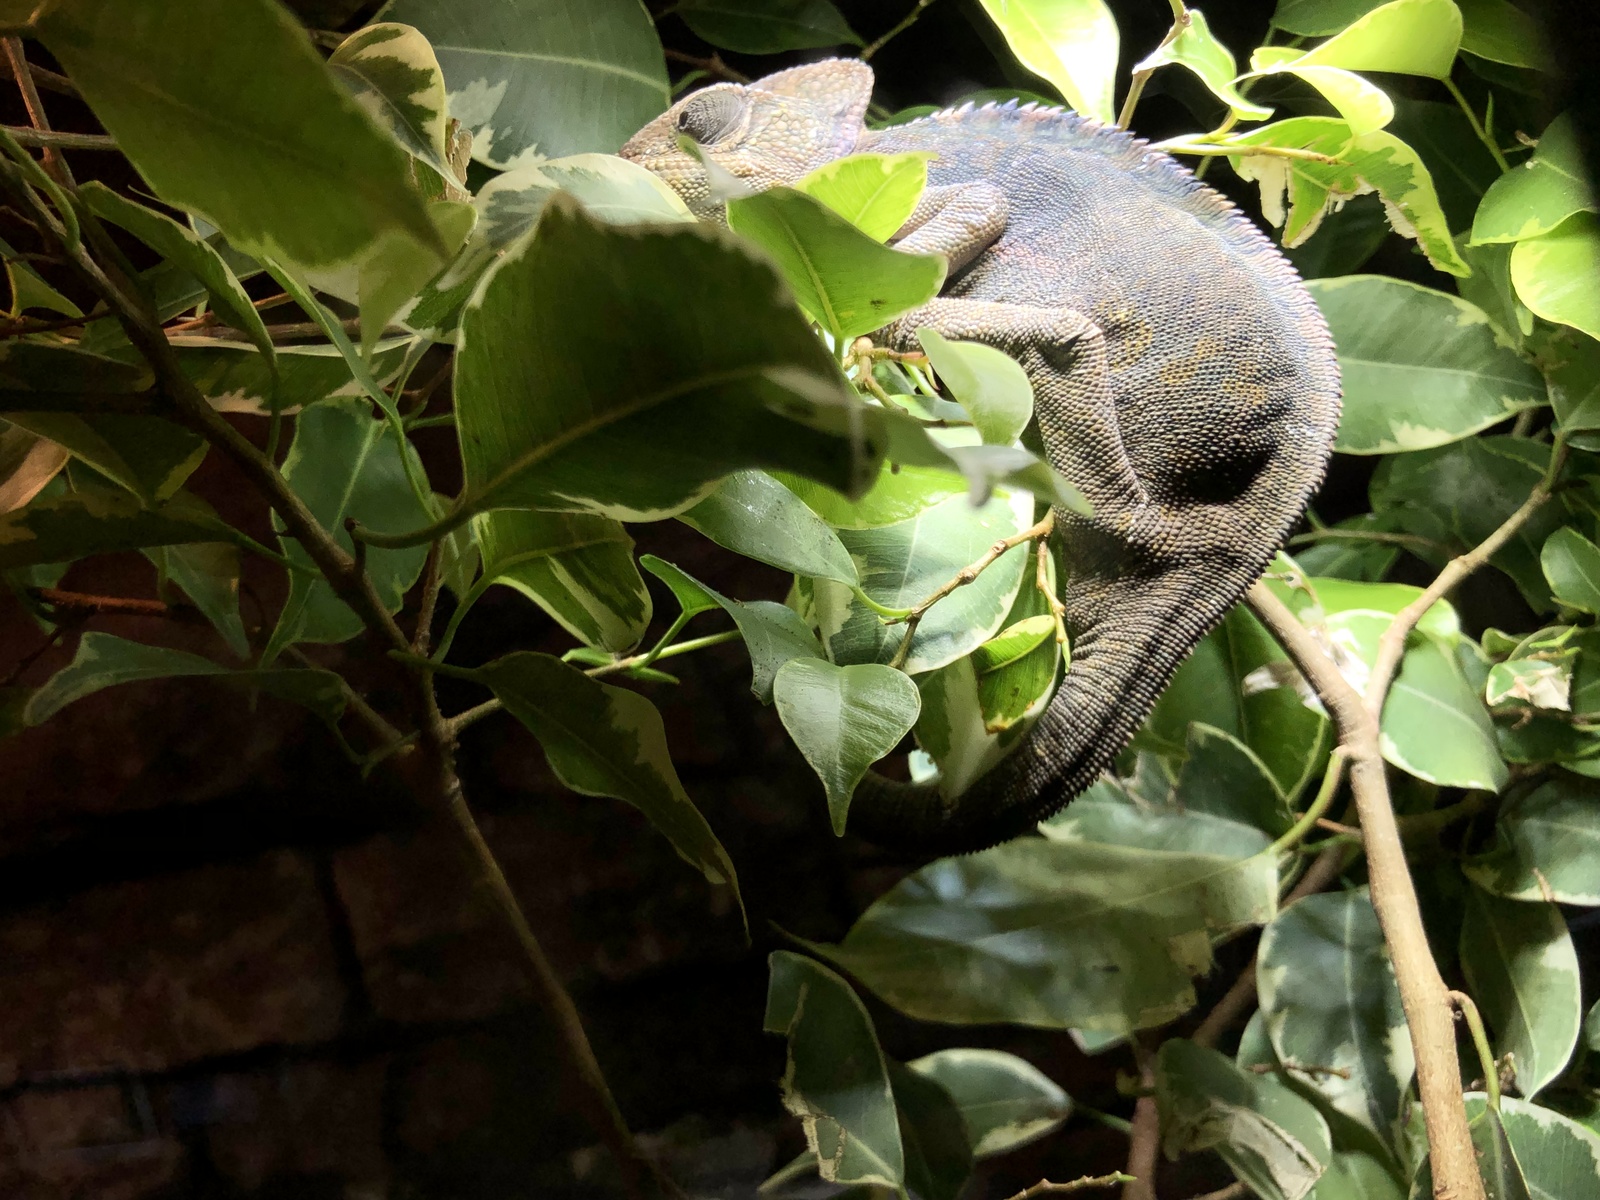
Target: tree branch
1423, 994
1144, 1139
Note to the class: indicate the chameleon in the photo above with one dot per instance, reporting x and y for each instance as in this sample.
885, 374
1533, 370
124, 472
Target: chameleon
1184, 381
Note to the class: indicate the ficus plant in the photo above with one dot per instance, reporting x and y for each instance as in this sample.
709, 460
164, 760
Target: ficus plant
338, 240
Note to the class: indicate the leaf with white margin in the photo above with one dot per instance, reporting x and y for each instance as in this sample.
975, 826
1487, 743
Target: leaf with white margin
1274, 1139
1006, 1101
236, 378
1546, 845
1435, 725
844, 719
1109, 813
1376, 161
391, 71
837, 1079
1071, 43
607, 741
1364, 105
704, 389
1330, 1000
755, 515
1523, 971
543, 78
876, 193
952, 729
1571, 563
1559, 1158
1535, 197
1101, 938
901, 565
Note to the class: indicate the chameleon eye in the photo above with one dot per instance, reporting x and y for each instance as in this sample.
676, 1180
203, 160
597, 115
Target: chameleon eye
710, 115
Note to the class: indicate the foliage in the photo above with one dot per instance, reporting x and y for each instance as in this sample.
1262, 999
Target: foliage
612, 362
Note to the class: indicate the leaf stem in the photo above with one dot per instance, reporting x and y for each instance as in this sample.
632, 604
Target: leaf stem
1045, 1188
1180, 22
1480, 1042
1319, 806
1477, 126
644, 660
885, 38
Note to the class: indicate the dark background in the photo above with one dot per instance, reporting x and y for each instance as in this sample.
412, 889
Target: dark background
229, 967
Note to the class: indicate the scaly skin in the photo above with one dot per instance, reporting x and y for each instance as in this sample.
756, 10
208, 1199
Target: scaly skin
1183, 379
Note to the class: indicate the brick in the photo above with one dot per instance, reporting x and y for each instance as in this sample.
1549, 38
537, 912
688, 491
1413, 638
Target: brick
84, 1141
148, 974
294, 1124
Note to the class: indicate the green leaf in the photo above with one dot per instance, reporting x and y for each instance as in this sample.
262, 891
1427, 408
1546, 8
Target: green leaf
898, 493
1274, 1139
989, 384
1555, 272
1490, 288
1407, 37
876, 193
1555, 1157
29, 290
232, 114
343, 463
1066, 935
772, 633
1330, 1000
1005, 1101
1545, 846
844, 719
720, 373
1540, 194
608, 741
104, 661
543, 78
1364, 106
1420, 368
1376, 161
1539, 672
1523, 971
1222, 777
1571, 563
755, 515
100, 521
1071, 43
767, 26
836, 1080
846, 281
578, 568
149, 456
391, 71
1352, 1175
1501, 32
1459, 163
1434, 723
208, 574
984, 467
934, 1134
1015, 684
186, 249
1110, 814
1319, 18
1461, 493
236, 378
1012, 644
693, 597
902, 565
1200, 51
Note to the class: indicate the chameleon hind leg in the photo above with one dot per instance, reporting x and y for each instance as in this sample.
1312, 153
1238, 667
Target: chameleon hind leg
1064, 355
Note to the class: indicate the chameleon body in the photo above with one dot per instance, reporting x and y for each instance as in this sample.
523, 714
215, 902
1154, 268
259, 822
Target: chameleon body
1184, 380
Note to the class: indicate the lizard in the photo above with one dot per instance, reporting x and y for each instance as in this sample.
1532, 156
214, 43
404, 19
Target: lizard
1185, 382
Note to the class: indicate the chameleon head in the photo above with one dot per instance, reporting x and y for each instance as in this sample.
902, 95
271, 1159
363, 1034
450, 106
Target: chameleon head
765, 133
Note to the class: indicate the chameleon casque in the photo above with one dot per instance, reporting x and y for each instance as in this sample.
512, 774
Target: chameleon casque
1184, 380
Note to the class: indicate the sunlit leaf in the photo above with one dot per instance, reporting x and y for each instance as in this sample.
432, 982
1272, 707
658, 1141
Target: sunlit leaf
1200, 51
849, 283
1534, 198
876, 193
1364, 106
1554, 273
1072, 43
1407, 37
1501, 32
543, 78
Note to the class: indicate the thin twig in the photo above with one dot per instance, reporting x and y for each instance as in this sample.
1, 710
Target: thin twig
62, 140
115, 606
48, 80
473, 715
1478, 130
18, 60
711, 66
884, 39
1144, 1138
1422, 991
1045, 1188
1480, 1042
